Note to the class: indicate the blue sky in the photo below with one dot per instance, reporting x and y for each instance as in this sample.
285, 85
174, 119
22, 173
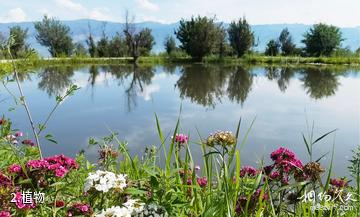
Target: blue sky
344, 13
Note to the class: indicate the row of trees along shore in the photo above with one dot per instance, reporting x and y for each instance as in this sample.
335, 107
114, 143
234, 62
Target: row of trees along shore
197, 37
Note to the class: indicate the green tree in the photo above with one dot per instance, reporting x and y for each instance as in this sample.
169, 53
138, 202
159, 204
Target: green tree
103, 47
272, 48
322, 39
92, 49
139, 42
241, 36
19, 47
117, 46
199, 36
169, 44
358, 51
55, 36
80, 50
286, 42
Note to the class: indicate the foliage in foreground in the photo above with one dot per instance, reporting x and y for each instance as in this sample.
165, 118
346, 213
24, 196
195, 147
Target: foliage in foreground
166, 182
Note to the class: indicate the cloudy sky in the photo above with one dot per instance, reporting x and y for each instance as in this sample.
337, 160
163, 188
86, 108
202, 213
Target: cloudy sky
344, 13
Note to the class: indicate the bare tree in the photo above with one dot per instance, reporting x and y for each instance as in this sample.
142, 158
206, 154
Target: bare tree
138, 42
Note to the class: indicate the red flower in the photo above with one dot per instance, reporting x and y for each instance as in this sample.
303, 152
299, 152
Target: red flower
202, 181
248, 170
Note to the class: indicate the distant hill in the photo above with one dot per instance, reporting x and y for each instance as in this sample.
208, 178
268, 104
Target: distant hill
80, 30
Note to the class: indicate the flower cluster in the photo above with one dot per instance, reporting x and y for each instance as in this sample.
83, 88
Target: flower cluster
285, 164
107, 152
80, 209
313, 170
104, 181
5, 214
4, 180
255, 197
202, 182
58, 164
15, 169
153, 210
223, 138
339, 183
131, 207
19, 202
28, 142
181, 138
249, 171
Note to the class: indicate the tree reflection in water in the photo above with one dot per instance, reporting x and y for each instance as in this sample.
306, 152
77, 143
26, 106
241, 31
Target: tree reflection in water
240, 82
55, 80
202, 84
282, 75
320, 82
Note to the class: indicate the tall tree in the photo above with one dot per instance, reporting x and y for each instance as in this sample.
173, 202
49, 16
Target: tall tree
286, 42
272, 48
19, 46
80, 50
117, 46
138, 42
92, 49
55, 36
169, 44
199, 36
322, 39
241, 36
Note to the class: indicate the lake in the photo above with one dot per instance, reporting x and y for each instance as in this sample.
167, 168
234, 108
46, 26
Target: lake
125, 98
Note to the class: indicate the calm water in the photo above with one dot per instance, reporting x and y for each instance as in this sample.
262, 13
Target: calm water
125, 98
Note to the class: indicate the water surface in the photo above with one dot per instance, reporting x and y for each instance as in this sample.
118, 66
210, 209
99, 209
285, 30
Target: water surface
124, 98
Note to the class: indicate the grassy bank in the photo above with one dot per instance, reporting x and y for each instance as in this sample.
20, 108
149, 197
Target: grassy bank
28, 64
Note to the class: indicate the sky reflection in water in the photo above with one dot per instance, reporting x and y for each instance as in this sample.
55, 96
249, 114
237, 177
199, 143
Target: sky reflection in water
125, 98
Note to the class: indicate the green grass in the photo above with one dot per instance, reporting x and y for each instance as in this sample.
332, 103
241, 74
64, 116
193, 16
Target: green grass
247, 59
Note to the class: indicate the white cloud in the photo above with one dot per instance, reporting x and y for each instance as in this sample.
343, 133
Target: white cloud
14, 15
70, 5
147, 5
100, 14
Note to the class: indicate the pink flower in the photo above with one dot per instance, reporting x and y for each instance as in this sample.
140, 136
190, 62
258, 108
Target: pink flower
5, 214
28, 142
181, 138
19, 202
189, 182
19, 134
274, 175
2, 121
202, 182
61, 171
79, 209
15, 168
4, 180
340, 183
248, 170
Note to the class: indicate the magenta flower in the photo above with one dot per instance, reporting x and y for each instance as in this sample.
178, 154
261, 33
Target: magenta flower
202, 182
181, 138
4, 180
28, 142
79, 209
15, 168
19, 202
2, 121
274, 175
19, 134
248, 170
5, 214
340, 183
60, 165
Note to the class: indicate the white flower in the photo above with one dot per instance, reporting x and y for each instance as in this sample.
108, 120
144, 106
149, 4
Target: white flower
134, 205
104, 181
115, 211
